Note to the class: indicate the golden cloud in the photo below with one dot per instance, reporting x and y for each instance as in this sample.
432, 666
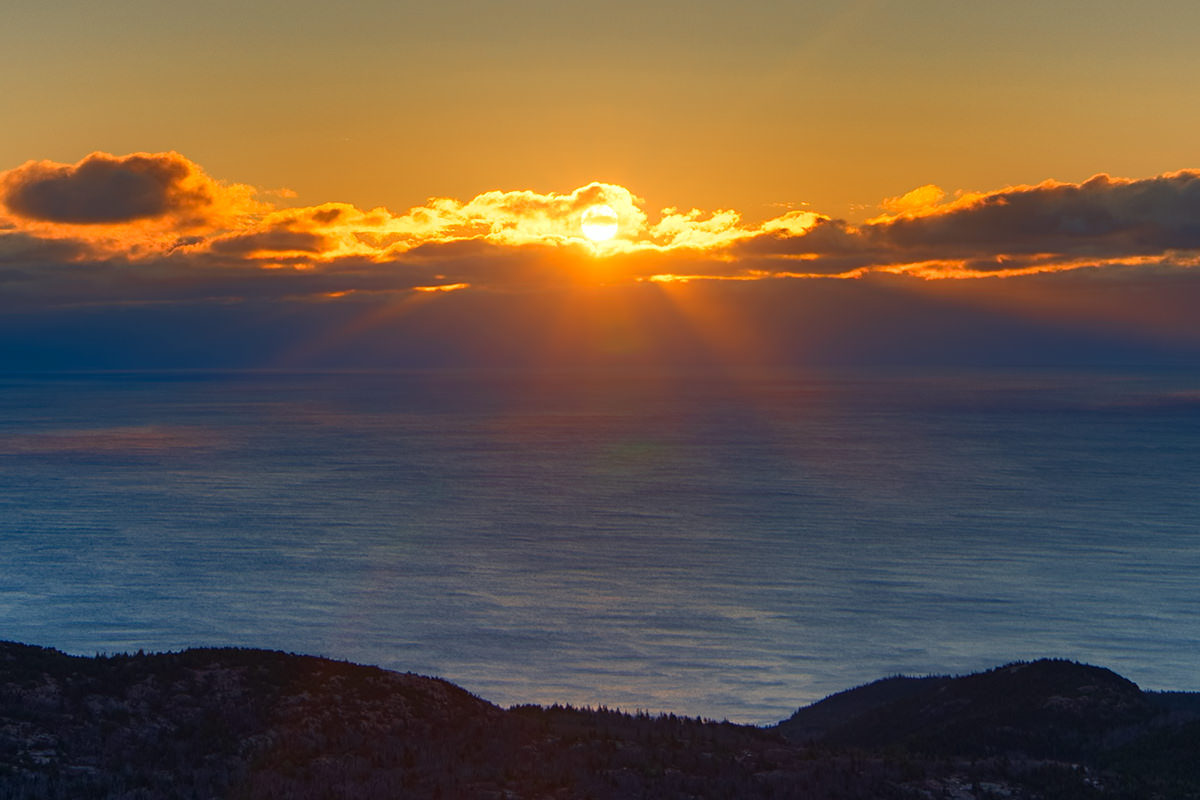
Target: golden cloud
150, 226
922, 199
136, 204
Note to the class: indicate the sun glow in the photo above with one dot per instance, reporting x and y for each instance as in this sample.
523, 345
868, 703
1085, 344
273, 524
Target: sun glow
599, 223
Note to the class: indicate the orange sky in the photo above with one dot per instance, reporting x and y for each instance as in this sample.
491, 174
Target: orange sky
758, 106
396, 154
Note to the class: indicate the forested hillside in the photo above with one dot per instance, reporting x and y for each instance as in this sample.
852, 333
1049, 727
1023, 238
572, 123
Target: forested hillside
232, 723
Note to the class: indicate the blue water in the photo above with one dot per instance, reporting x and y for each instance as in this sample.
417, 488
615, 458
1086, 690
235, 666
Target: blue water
729, 546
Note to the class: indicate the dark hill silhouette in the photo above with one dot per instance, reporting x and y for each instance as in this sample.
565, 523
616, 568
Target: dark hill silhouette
821, 719
1051, 709
253, 724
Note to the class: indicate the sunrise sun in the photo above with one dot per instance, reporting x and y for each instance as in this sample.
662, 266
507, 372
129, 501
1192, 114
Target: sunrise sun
599, 223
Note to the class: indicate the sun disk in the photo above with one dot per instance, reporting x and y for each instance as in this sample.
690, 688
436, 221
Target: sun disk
599, 223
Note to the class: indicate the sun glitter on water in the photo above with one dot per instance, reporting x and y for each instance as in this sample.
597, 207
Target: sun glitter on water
599, 223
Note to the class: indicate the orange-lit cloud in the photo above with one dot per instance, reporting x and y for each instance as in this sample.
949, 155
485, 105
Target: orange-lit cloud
1103, 216
1020, 230
147, 228
923, 198
137, 204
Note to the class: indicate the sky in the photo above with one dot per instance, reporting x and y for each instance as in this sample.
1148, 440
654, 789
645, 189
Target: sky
394, 183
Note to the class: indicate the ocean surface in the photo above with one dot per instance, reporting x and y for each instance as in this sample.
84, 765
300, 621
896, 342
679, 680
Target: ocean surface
722, 545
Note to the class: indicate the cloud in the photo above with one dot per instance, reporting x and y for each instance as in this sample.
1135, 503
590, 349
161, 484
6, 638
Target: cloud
134, 204
919, 199
272, 244
144, 261
1101, 217
20, 247
516, 218
155, 228
104, 189
1053, 226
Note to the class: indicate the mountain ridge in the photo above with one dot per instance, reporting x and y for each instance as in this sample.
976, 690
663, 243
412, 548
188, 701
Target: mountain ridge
242, 723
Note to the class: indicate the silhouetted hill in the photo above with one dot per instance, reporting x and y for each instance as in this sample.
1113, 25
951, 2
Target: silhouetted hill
819, 720
252, 724
1051, 709
1048, 710
246, 722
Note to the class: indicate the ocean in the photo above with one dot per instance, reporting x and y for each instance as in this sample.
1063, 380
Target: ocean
718, 544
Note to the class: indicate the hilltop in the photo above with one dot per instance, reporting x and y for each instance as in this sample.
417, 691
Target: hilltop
254, 724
